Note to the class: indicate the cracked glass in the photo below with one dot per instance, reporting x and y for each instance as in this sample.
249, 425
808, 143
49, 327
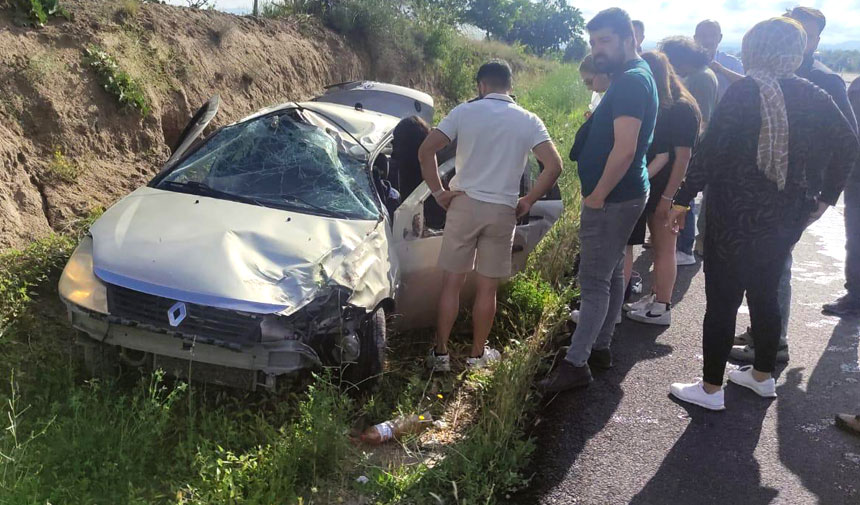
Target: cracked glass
279, 161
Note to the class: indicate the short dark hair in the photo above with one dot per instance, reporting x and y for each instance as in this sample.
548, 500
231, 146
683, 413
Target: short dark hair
685, 51
810, 15
638, 24
615, 19
708, 22
496, 73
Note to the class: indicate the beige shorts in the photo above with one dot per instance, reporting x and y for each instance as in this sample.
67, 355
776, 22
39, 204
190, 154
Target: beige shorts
478, 230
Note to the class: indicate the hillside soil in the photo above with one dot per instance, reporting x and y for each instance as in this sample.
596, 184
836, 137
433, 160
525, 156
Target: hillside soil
66, 144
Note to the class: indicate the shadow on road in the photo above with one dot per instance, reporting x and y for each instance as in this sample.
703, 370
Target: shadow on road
714, 443
809, 444
576, 416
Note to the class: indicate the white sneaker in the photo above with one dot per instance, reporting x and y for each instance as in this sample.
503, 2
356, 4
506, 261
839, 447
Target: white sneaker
574, 316
656, 313
683, 259
643, 303
436, 363
695, 393
743, 377
488, 357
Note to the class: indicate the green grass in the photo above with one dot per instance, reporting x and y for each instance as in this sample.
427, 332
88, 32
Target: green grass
116, 81
489, 460
141, 438
61, 168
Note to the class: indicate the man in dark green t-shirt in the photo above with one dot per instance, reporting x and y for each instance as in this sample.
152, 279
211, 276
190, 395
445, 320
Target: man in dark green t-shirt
614, 180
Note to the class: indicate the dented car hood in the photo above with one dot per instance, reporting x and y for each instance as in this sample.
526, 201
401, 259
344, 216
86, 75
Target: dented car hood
238, 256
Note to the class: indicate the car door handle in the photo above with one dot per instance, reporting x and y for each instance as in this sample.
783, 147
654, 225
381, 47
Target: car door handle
517, 248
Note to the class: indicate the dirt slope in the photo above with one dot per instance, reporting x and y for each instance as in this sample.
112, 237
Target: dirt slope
66, 146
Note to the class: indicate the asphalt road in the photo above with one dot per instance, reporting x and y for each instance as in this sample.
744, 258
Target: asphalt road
624, 440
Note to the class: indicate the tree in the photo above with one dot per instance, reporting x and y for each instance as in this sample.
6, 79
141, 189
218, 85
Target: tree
546, 25
576, 50
495, 17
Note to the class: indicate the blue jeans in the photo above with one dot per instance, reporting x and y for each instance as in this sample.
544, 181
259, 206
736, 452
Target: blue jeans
603, 235
687, 236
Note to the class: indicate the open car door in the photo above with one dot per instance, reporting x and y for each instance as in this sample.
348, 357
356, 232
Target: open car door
532, 228
417, 234
199, 121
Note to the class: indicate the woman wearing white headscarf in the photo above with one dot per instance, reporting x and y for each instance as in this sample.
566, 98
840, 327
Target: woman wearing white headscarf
776, 155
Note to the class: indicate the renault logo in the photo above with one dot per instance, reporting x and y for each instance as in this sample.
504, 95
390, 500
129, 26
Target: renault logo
177, 314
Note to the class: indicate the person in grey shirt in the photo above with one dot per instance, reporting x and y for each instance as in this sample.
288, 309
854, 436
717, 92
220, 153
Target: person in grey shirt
691, 63
709, 35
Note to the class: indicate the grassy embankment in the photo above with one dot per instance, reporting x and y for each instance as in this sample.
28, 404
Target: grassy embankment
145, 439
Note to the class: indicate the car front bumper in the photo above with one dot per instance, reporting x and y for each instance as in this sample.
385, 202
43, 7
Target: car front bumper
254, 365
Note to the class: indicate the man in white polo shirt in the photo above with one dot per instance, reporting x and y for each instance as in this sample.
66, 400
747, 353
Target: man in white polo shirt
494, 138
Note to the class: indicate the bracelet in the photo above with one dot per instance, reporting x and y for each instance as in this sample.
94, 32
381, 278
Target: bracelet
437, 193
682, 208
664, 197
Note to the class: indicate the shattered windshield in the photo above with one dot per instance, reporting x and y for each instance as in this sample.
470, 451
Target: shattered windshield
276, 161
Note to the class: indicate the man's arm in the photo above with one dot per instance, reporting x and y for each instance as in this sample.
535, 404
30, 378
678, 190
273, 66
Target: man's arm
729, 74
547, 154
837, 90
626, 130
434, 142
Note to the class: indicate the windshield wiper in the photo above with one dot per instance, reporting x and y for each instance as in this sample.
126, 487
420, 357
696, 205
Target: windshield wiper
203, 189
322, 210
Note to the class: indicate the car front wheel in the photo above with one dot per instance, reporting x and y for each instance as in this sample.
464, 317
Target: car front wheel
364, 374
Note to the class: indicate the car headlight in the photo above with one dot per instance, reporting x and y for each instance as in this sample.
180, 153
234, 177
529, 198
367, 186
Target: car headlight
79, 285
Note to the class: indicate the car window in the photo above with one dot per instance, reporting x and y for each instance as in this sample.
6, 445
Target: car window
280, 162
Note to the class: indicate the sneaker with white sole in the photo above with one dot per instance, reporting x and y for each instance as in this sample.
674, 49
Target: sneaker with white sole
488, 357
695, 393
574, 317
683, 259
743, 377
657, 313
437, 363
643, 303
746, 354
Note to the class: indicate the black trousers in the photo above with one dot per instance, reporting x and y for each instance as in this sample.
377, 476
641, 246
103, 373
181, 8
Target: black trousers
726, 282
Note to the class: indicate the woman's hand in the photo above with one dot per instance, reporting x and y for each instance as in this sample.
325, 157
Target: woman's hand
661, 213
676, 219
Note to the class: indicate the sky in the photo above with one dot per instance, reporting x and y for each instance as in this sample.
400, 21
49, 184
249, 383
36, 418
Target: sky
663, 18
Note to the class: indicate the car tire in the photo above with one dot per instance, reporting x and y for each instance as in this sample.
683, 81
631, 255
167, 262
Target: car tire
365, 373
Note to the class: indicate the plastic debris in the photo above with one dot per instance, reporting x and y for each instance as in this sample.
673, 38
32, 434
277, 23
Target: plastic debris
395, 428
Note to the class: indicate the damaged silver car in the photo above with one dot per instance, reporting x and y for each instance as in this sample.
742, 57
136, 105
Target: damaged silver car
270, 247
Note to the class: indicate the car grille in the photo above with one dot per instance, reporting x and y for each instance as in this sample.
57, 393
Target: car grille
206, 324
